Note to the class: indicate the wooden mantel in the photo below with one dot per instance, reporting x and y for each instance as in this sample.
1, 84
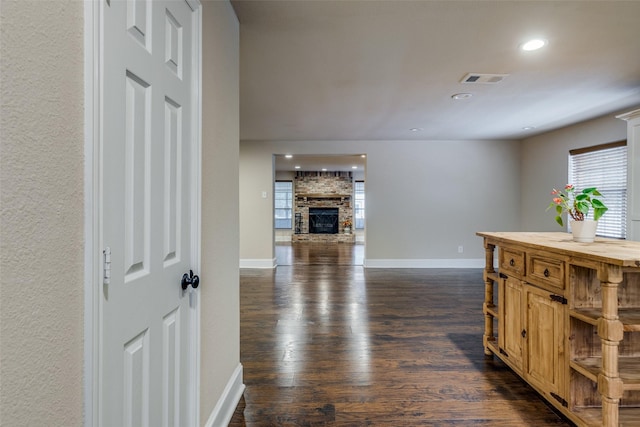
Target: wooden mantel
322, 196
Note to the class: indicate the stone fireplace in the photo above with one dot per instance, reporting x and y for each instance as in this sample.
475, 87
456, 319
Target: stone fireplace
322, 202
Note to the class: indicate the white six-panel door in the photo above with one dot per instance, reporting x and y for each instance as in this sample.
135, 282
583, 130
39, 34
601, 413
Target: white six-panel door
147, 153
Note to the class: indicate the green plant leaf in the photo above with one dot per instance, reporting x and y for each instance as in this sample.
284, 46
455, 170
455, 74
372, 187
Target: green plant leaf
582, 207
559, 220
580, 197
597, 203
558, 209
598, 212
589, 190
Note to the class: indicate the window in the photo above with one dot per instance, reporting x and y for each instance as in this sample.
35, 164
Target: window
605, 167
359, 205
283, 203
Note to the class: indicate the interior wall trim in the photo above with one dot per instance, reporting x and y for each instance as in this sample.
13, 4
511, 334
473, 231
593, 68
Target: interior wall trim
425, 263
226, 406
258, 263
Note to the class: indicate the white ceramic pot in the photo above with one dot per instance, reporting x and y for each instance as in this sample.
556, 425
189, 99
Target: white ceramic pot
584, 231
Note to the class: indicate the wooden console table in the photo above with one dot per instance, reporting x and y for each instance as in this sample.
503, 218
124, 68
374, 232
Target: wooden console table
566, 317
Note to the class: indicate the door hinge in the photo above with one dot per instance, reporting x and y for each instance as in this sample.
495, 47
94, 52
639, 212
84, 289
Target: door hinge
106, 262
558, 298
559, 399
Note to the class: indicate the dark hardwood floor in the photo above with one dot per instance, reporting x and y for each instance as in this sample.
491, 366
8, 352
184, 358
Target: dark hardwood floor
328, 343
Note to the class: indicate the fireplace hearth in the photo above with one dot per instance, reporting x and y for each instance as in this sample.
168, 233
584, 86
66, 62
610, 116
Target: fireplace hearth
323, 220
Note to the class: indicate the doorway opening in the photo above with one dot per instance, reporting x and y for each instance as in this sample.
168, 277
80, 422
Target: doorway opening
308, 189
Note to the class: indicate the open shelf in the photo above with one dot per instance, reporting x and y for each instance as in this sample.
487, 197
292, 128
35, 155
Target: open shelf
628, 417
586, 402
492, 310
630, 317
629, 370
495, 276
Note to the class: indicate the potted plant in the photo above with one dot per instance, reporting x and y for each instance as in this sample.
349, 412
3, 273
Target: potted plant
577, 205
346, 225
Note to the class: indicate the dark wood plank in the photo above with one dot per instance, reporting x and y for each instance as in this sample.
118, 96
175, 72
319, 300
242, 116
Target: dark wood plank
328, 343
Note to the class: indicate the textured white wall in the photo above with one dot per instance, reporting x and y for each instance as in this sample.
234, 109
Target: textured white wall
545, 165
424, 199
41, 210
220, 315
41, 213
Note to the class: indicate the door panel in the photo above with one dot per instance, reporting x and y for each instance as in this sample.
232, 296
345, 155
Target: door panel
512, 322
171, 352
545, 341
136, 381
137, 180
147, 149
173, 181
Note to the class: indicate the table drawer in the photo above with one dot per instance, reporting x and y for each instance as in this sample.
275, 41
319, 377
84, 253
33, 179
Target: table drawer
546, 271
512, 261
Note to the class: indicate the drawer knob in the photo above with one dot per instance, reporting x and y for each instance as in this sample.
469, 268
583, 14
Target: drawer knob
512, 262
546, 272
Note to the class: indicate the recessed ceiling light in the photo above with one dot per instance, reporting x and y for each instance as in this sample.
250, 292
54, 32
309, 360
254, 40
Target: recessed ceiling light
363, 156
415, 129
533, 44
354, 167
297, 167
528, 128
461, 96
324, 169
288, 156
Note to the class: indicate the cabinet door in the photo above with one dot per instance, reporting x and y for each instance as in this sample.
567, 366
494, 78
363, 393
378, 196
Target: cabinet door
511, 322
545, 343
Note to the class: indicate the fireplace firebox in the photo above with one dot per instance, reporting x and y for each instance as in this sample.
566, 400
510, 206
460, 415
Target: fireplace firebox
323, 220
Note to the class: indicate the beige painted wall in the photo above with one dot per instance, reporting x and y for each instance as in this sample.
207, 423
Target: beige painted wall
41, 213
545, 165
256, 219
424, 198
460, 186
220, 316
632, 119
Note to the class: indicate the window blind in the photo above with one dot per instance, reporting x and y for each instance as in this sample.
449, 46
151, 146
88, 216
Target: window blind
604, 167
283, 203
359, 204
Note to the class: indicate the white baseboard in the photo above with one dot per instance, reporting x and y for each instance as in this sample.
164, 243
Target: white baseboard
226, 406
425, 263
258, 263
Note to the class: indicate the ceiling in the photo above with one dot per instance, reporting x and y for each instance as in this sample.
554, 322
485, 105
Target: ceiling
374, 70
353, 163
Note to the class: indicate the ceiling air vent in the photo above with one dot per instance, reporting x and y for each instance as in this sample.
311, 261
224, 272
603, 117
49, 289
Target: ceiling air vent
478, 78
